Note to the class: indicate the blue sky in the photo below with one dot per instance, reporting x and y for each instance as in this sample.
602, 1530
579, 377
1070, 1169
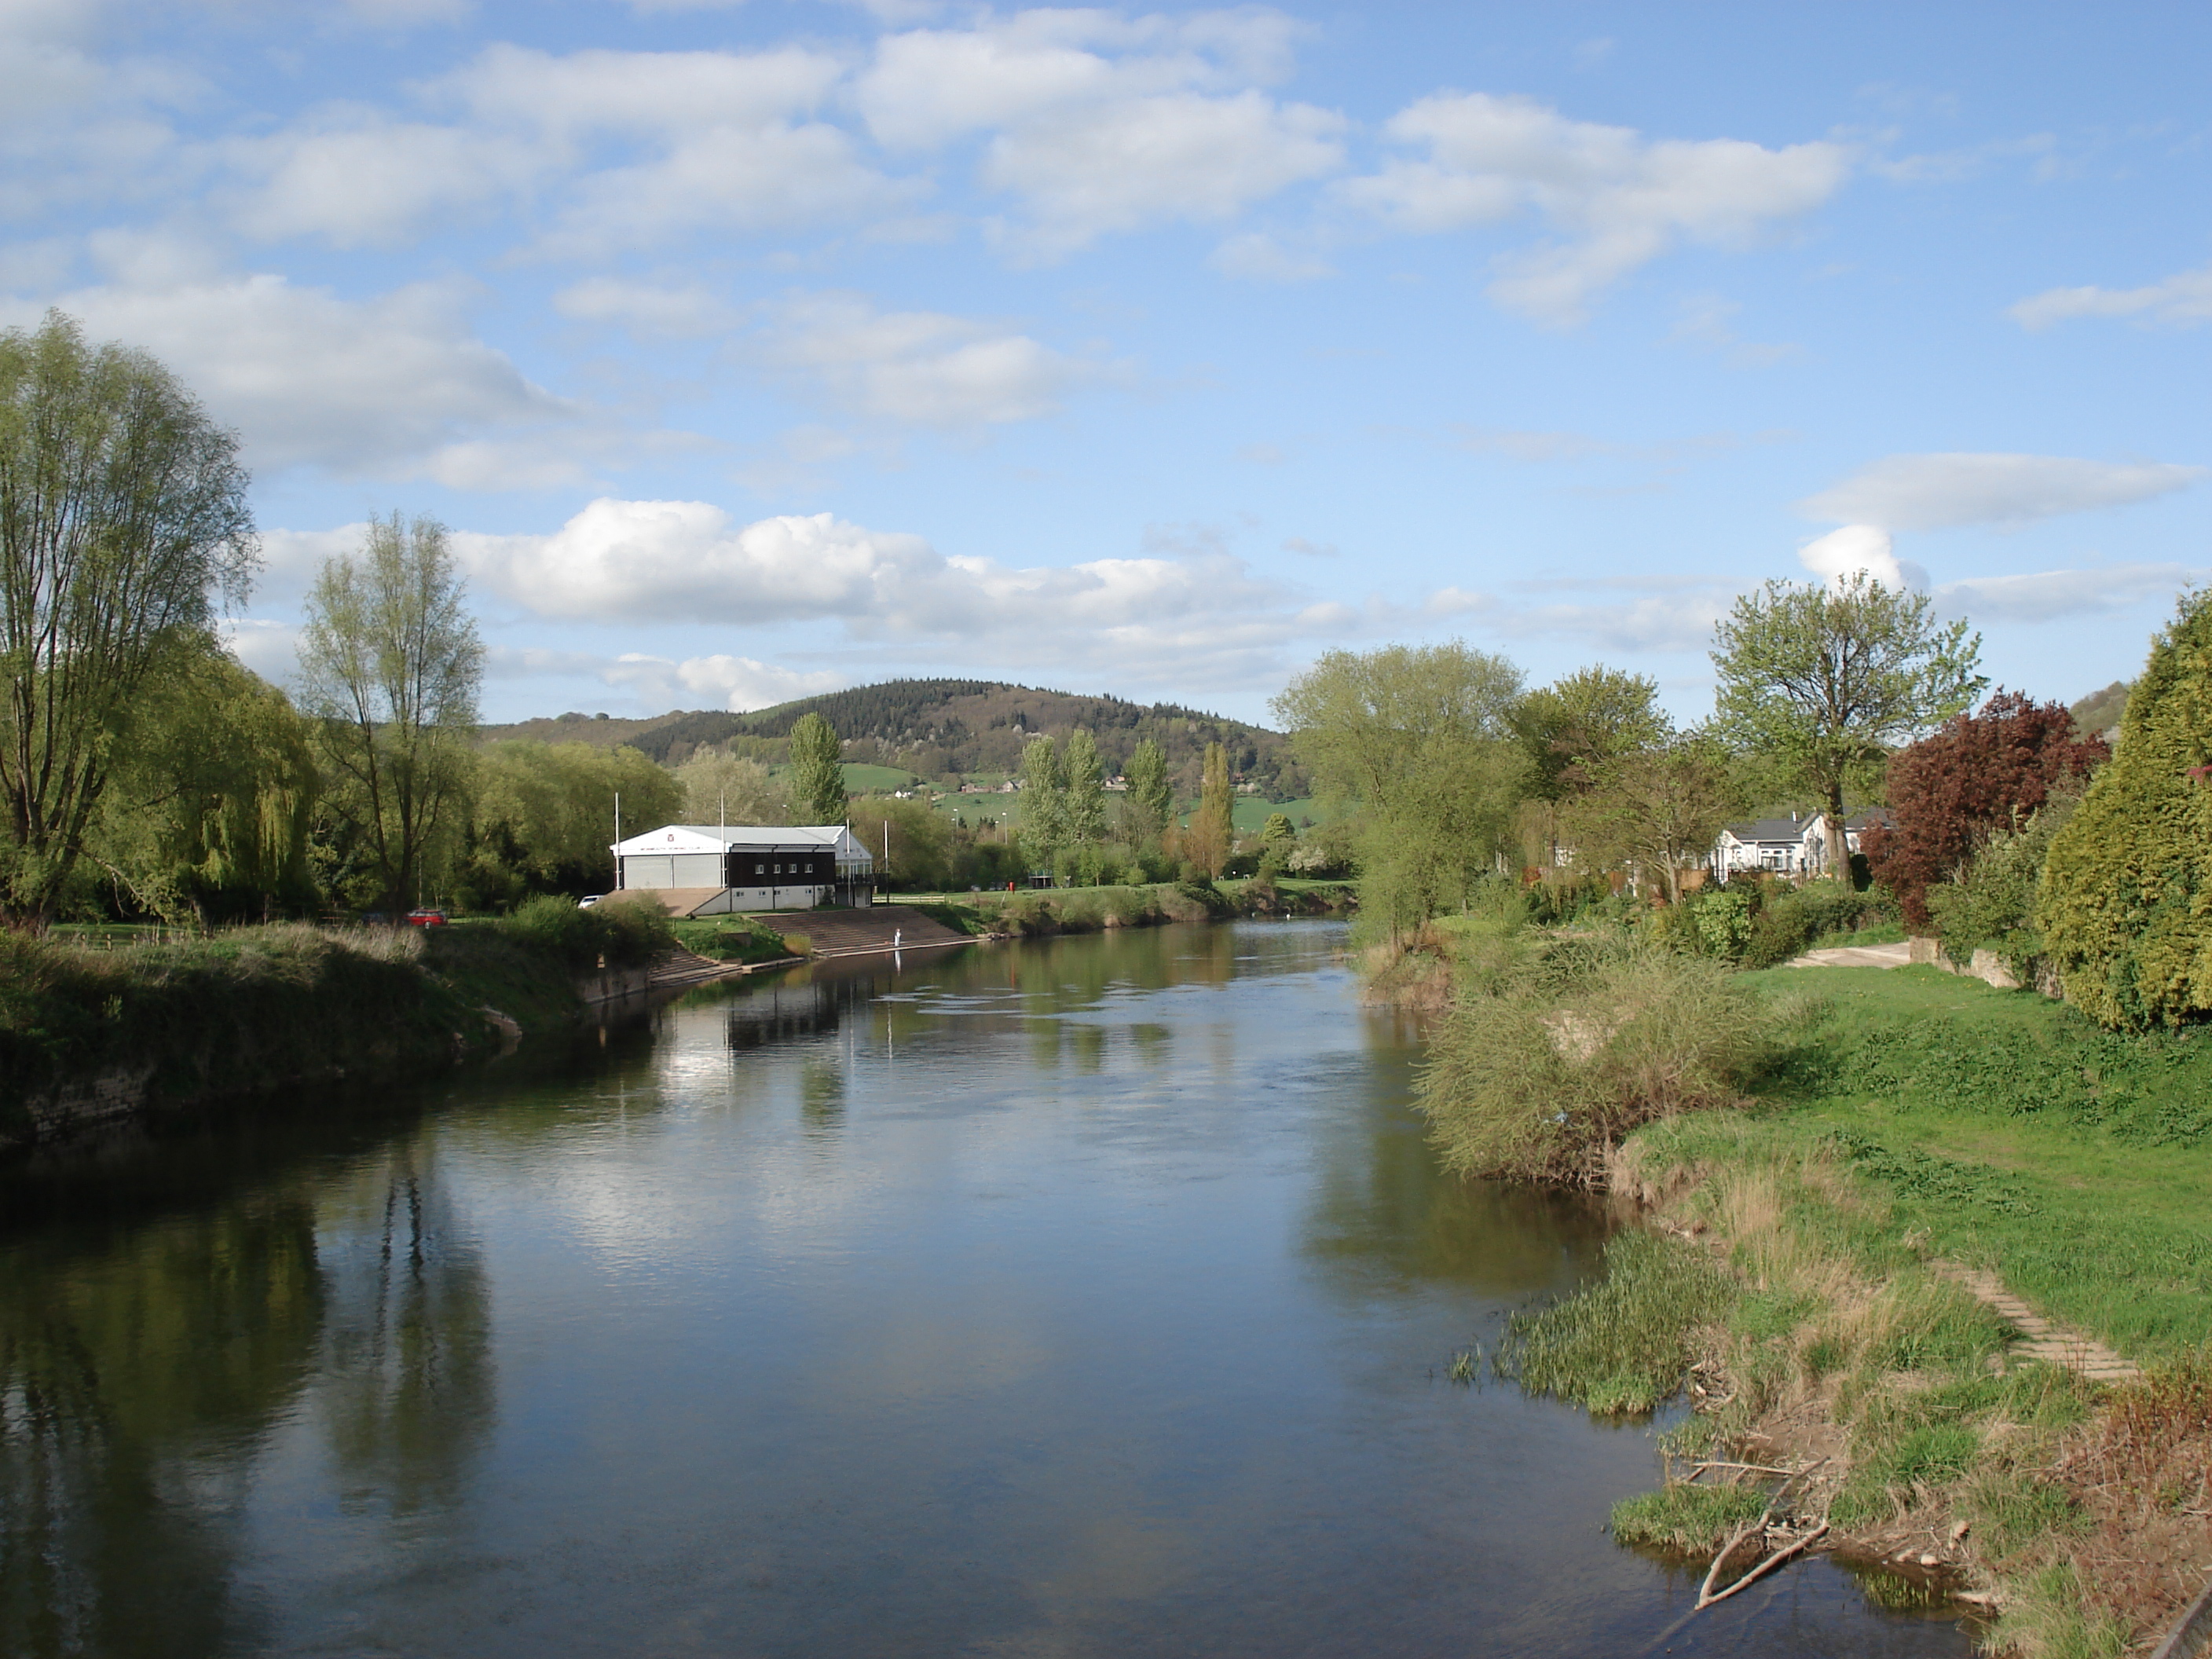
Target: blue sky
755, 349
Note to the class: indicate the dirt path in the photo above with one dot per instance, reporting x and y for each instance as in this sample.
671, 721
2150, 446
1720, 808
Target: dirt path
2056, 1345
1855, 956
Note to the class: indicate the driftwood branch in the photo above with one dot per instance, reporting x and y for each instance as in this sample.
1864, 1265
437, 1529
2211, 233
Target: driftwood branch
1706, 1595
1764, 1567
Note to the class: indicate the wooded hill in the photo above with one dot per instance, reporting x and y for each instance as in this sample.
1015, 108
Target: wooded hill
948, 729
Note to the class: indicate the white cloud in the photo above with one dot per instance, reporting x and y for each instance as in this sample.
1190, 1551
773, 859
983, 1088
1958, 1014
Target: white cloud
687, 312
1621, 200
356, 177
1646, 616
267, 645
1102, 123
1860, 549
395, 385
1933, 492
1257, 257
1180, 156
2054, 595
737, 684
1204, 615
922, 367
2182, 299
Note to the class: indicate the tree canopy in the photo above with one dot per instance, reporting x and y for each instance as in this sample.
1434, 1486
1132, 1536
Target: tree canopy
1826, 679
817, 771
123, 516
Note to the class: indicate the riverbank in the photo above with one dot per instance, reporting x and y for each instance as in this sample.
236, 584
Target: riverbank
89, 1037
1811, 1281
1040, 912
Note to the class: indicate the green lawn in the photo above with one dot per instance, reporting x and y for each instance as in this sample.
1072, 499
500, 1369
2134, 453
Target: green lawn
2013, 1133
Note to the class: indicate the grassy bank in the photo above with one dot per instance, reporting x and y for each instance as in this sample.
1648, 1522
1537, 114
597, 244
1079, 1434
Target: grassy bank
1801, 1284
92, 1033
1031, 913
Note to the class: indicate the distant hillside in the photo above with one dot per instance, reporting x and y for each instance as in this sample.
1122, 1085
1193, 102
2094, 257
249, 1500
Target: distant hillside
2101, 711
947, 729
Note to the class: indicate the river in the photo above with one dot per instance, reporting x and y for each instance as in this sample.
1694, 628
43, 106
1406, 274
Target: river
1090, 1296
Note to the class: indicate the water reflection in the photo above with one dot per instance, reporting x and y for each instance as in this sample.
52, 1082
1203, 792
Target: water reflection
1082, 1298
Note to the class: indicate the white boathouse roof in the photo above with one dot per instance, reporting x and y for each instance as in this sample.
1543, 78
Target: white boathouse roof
851, 853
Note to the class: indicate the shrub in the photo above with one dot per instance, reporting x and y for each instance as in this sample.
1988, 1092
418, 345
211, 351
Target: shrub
627, 932
1793, 918
1991, 903
2125, 908
1591, 1040
1977, 776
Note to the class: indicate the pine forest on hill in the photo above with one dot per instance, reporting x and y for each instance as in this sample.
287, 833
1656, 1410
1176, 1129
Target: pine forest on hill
947, 730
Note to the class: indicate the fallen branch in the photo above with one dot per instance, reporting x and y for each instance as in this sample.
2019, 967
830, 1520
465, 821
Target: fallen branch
1705, 1596
1762, 1569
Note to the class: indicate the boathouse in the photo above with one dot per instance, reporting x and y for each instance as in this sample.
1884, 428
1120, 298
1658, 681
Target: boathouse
723, 868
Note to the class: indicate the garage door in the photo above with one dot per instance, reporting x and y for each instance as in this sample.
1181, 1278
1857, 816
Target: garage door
698, 870
650, 870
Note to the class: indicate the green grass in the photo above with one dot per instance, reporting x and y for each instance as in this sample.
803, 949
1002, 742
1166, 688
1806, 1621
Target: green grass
730, 939
2008, 1132
1622, 1345
1695, 1519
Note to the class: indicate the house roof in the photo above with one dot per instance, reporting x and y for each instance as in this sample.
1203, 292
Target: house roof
747, 838
1779, 831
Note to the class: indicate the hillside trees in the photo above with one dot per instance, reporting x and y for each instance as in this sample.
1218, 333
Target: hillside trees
1826, 679
123, 514
913, 844
1420, 738
1979, 774
817, 773
390, 665
2125, 910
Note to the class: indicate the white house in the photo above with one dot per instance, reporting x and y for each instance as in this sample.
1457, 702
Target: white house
1793, 846
750, 867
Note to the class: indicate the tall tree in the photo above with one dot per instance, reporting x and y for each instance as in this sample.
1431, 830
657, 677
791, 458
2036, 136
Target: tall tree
1212, 830
817, 771
1087, 790
1044, 803
1420, 738
1828, 679
1658, 807
1582, 721
389, 665
542, 814
123, 513
725, 789
1149, 802
1979, 775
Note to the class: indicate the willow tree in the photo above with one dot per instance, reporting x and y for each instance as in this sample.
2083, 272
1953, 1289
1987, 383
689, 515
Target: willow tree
1827, 679
389, 665
818, 770
1420, 740
123, 515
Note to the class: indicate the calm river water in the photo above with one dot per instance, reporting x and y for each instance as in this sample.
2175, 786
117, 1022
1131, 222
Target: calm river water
1092, 1297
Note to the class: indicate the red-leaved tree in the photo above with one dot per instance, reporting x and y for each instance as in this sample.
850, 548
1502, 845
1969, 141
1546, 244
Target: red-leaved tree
1977, 774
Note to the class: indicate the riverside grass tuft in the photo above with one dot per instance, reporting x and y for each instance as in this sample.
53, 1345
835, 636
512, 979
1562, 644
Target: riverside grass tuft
1624, 1343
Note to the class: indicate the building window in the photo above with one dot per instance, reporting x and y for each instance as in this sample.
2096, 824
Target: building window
760, 869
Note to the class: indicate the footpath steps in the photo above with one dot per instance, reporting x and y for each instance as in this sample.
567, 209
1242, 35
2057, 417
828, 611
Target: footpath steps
2055, 1345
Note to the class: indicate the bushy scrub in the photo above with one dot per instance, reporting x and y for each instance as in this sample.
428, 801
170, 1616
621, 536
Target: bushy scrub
1991, 903
616, 932
1537, 1079
2126, 908
1793, 918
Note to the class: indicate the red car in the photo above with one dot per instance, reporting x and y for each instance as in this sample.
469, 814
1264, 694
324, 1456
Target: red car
426, 918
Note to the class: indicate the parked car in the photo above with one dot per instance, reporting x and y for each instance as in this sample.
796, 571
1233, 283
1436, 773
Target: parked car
589, 900
426, 918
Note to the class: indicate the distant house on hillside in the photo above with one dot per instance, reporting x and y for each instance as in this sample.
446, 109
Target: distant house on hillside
749, 866
1793, 846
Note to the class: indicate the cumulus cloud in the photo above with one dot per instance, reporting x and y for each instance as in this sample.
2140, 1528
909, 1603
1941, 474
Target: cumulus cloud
1856, 549
1934, 492
1102, 123
268, 646
396, 384
686, 311
2182, 300
688, 562
1259, 257
1619, 199
922, 367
